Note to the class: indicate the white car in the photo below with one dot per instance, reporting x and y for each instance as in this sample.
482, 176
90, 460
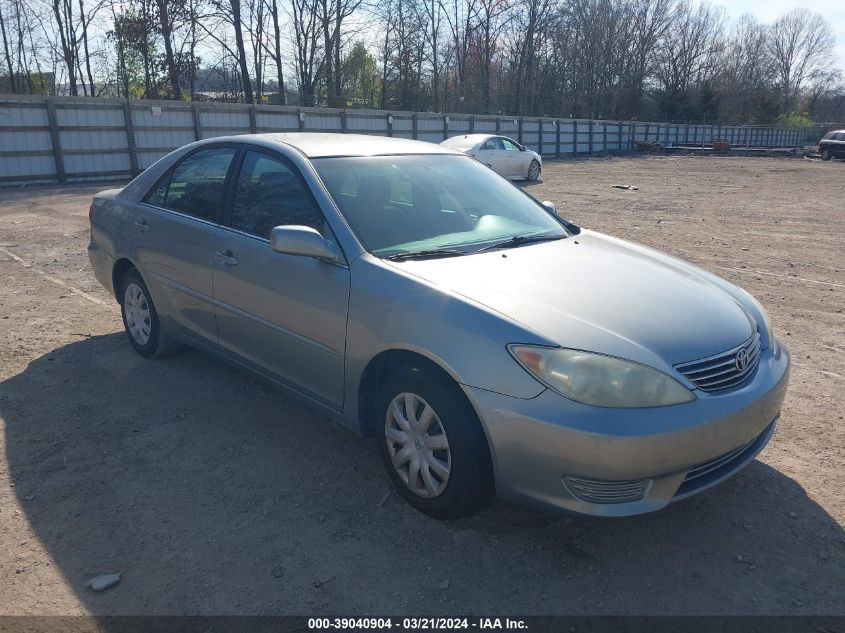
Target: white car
502, 154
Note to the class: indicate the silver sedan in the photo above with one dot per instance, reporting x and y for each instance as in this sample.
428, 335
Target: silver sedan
502, 154
490, 346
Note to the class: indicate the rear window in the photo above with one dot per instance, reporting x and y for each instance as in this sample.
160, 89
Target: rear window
196, 185
460, 142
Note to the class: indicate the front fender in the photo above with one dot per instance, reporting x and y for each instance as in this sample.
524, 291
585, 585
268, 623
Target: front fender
392, 309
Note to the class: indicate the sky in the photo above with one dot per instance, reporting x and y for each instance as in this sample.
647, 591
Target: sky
769, 10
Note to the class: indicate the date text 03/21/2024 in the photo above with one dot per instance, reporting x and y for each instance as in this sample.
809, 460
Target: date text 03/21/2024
416, 624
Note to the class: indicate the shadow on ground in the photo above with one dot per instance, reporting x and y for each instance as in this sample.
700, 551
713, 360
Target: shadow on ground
213, 494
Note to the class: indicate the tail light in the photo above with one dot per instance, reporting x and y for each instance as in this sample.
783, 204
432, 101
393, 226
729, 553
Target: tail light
90, 211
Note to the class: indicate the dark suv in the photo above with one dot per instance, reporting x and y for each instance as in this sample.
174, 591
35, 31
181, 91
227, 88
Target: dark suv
832, 145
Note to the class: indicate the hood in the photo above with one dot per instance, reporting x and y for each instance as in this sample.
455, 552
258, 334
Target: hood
602, 294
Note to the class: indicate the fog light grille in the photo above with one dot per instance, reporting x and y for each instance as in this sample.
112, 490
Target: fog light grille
599, 491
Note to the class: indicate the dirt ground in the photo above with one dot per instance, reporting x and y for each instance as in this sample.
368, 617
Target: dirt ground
213, 494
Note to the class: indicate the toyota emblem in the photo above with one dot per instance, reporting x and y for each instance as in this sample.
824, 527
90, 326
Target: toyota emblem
741, 361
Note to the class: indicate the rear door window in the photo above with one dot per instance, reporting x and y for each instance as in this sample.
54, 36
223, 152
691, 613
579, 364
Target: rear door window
197, 185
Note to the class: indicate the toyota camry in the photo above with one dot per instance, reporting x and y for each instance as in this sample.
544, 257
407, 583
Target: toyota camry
491, 347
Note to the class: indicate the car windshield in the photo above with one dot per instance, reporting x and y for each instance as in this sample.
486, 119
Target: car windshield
432, 202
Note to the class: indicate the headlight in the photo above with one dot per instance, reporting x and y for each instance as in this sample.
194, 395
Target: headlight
602, 381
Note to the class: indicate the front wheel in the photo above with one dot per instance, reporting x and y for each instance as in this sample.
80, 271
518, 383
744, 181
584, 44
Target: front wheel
533, 171
433, 446
826, 155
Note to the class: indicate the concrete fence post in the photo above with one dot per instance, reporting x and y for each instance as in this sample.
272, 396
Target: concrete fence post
56, 141
195, 112
253, 125
343, 122
471, 123
414, 125
575, 136
130, 138
445, 126
519, 131
498, 124
389, 119
557, 138
540, 136
590, 136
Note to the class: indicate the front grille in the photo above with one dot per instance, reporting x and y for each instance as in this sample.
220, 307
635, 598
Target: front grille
599, 491
710, 472
714, 464
724, 371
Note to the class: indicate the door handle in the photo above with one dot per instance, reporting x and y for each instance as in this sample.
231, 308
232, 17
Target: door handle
142, 226
226, 257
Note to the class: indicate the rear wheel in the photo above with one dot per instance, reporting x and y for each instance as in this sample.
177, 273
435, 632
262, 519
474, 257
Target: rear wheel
433, 446
826, 155
533, 171
140, 318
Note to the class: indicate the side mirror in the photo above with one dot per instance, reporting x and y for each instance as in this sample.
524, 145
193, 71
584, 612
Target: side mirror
522, 148
304, 241
551, 208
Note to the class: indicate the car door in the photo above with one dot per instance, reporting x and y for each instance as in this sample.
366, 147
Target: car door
514, 159
838, 145
491, 153
175, 226
284, 315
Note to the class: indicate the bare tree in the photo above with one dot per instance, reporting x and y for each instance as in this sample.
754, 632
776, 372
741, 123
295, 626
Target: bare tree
6, 53
307, 51
688, 53
618, 59
277, 51
166, 9
801, 45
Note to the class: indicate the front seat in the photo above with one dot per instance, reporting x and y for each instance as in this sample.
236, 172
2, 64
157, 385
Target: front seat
385, 224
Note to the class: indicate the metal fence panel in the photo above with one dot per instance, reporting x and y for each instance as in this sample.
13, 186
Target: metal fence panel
26, 141
49, 138
485, 125
26, 168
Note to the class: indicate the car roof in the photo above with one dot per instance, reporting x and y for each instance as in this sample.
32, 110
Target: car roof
471, 137
325, 144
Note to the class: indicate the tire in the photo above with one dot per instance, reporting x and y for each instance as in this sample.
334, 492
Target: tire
467, 486
140, 318
826, 155
533, 171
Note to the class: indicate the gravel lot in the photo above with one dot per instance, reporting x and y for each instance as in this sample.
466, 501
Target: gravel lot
213, 494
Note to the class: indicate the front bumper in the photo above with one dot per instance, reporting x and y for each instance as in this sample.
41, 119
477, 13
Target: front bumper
553, 452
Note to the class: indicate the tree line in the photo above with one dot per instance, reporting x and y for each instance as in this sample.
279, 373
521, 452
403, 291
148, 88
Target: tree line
613, 59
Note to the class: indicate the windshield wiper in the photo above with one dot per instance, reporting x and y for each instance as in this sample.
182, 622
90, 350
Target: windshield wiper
520, 240
425, 254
